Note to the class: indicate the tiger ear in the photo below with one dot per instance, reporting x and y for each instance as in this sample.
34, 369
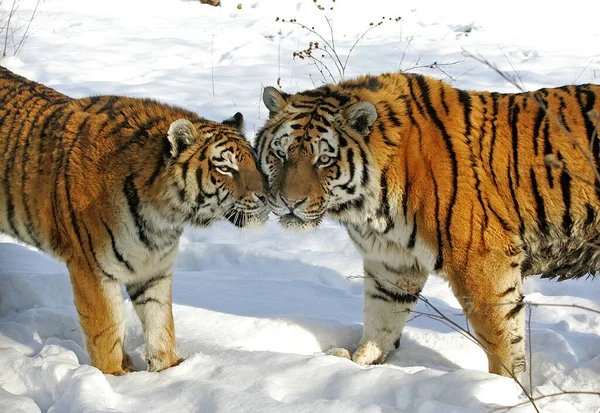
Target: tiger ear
361, 116
236, 122
274, 100
182, 133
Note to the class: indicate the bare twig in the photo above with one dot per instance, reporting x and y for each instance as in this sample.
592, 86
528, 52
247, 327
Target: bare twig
7, 30
212, 65
513, 68
562, 393
585, 68
328, 47
26, 33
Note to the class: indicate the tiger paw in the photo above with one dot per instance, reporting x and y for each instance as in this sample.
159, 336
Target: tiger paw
368, 353
163, 361
339, 352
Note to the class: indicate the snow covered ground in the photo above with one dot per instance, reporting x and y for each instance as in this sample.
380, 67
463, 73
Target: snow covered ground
255, 310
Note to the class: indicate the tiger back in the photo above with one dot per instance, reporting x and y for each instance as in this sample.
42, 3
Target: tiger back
107, 183
481, 188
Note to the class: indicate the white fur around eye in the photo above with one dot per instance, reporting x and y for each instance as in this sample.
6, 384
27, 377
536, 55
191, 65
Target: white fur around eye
225, 170
280, 145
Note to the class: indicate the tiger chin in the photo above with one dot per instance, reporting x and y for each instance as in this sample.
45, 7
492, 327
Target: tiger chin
427, 179
107, 183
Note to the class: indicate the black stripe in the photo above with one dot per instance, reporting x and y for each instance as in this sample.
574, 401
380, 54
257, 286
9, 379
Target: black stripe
587, 100
465, 99
108, 106
12, 157
401, 271
516, 340
538, 121
508, 291
31, 229
94, 255
502, 221
116, 251
514, 199
413, 235
134, 203
357, 241
439, 262
413, 96
68, 193
513, 116
443, 98
516, 309
449, 147
392, 116
590, 215
136, 290
494, 118
565, 185
379, 297
384, 205
60, 151
547, 151
483, 123
160, 162
398, 297
46, 135
364, 177
539, 204
406, 188
147, 301
351, 170
561, 112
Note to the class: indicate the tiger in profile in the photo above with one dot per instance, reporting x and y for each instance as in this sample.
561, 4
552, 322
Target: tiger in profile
480, 188
107, 183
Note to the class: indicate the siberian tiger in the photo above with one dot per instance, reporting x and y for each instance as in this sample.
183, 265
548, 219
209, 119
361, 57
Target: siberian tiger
107, 183
481, 188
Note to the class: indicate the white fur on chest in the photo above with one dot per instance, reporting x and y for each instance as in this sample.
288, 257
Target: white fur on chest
392, 247
137, 262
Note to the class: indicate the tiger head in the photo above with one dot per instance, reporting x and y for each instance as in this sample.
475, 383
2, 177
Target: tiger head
314, 153
214, 174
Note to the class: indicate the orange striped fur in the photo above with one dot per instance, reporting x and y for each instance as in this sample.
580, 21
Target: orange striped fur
106, 184
481, 188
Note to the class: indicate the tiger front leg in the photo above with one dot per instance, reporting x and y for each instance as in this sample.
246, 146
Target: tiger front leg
391, 293
100, 307
153, 303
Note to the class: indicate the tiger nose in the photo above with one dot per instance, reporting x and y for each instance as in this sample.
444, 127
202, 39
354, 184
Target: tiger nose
291, 202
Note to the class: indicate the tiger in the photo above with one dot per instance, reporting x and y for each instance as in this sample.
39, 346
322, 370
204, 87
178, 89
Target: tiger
106, 184
480, 188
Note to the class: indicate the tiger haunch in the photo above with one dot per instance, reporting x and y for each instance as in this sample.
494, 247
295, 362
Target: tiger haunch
107, 183
432, 179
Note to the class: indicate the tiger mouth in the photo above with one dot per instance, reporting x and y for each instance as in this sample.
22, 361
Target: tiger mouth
242, 219
293, 221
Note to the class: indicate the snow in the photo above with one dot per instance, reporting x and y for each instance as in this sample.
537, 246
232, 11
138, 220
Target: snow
256, 310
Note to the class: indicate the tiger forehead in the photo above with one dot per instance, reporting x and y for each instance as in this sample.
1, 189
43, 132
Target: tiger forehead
233, 153
308, 125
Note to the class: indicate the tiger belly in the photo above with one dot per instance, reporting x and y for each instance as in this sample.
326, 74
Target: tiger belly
561, 257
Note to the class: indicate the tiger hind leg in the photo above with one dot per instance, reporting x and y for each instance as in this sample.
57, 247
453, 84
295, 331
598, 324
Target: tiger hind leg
493, 303
153, 304
99, 304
